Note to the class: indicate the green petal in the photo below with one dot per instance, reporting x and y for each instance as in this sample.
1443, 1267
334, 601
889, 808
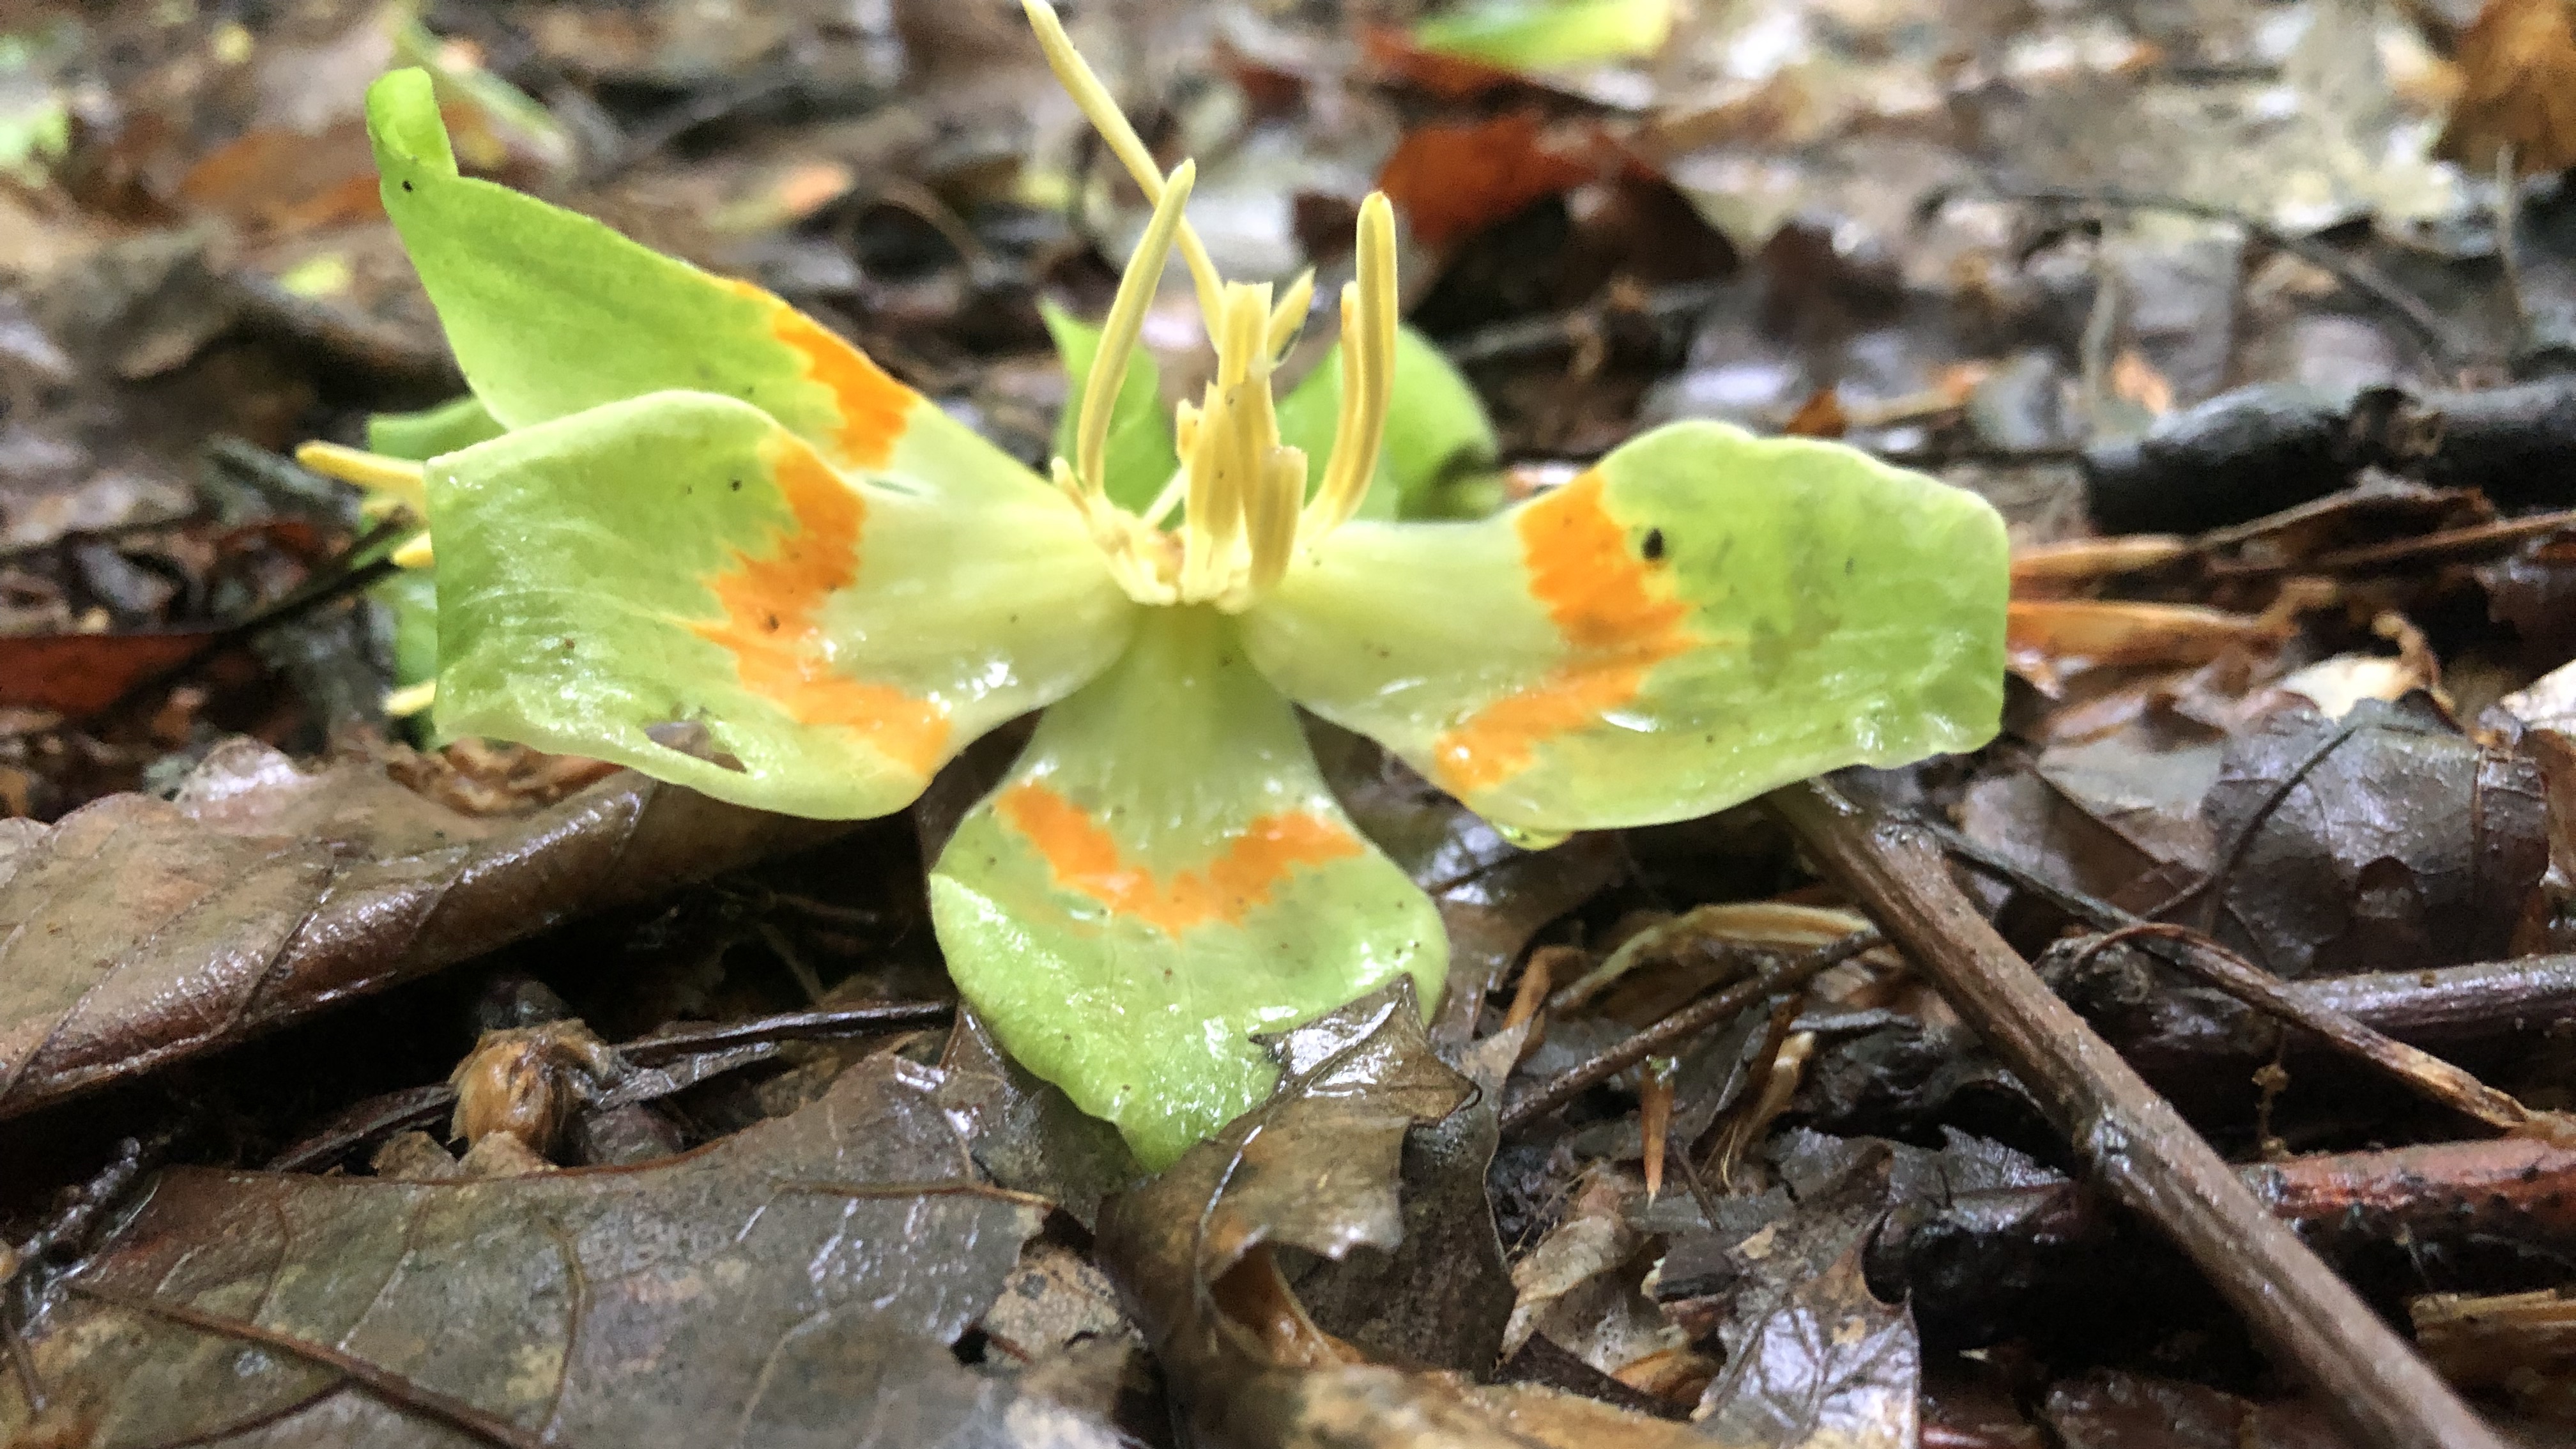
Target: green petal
1141, 459
1702, 617
1163, 875
551, 313
1437, 434
680, 559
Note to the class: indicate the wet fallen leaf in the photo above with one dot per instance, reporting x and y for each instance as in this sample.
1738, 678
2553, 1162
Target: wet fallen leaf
138, 932
2385, 841
1316, 1169
1812, 1358
750, 1293
2113, 1409
2118, 817
1493, 895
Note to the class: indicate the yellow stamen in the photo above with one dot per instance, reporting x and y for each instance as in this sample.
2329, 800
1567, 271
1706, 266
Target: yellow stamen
415, 554
1118, 334
1290, 314
1368, 371
394, 477
1101, 109
411, 699
1243, 491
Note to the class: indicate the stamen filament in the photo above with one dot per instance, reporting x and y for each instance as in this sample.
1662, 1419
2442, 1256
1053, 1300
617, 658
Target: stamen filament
396, 478
1119, 333
1101, 109
1290, 314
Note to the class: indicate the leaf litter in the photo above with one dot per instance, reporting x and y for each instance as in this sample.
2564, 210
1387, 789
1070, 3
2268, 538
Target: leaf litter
2272, 394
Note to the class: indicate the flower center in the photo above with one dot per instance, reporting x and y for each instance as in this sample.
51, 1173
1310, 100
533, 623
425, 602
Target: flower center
1241, 491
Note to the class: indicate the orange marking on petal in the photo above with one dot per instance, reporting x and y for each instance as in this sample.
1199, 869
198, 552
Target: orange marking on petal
1082, 858
1616, 620
772, 619
873, 406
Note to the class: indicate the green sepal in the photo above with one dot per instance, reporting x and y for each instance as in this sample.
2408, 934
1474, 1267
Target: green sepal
1140, 455
1163, 875
424, 435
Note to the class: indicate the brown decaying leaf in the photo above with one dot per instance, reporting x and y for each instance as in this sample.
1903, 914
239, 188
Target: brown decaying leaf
1452, 179
137, 932
751, 1293
2116, 1409
1493, 895
2517, 88
1316, 1169
2381, 842
80, 674
1812, 1358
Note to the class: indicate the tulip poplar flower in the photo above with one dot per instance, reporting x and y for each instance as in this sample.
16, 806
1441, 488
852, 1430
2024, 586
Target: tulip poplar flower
708, 510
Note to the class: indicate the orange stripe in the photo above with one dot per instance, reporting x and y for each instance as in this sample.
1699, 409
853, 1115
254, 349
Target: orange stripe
1083, 858
872, 406
1618, 623
773, 610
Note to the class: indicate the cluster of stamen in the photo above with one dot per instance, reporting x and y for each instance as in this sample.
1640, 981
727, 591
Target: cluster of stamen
1241, 492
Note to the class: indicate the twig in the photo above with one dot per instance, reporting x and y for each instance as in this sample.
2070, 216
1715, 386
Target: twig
2224, 860
2260, 989
23, 1267
2409, 308
1981, 1248
2444, 1001
788, 1026
2137, 1146
1691, 1020
2428, 545
387, 1385
422, 1106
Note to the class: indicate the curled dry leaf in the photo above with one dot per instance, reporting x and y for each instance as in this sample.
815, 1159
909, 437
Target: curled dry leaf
1316, 1169
747, 1294
2517, 88
139, 931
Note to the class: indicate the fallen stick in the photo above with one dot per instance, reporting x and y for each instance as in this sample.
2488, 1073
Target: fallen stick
2137, 1147
1978, 1265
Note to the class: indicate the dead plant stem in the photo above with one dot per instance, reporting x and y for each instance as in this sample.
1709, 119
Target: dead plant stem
2137, 1147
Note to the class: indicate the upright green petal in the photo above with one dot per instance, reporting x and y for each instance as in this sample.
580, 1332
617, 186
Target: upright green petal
551, 313
1163, 875
680, 560
1700, 618
1437, 434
